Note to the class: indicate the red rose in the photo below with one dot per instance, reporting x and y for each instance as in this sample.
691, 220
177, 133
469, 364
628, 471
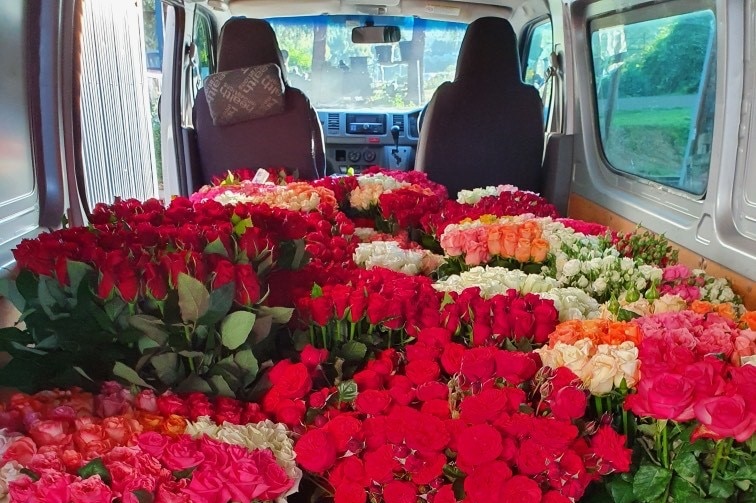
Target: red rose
425, 468
372, 402
155, 281
367, 379
444, 495
401, 389
223, 272
437, 407
451, 359
397, 491
434, 337
377, 308
420, 351
432, 391
555, 497
343, 429
533, 458
516, 368
568, 403
726, 416
312, 357
293, 382
426, 433
349, 492
340, 295
289, 412
357, 305
374, 429
478, 364
477, 445
247, 285
316, 451
171, 404
481, 332
422, 371
349, 469
321, 309
381, 464
485, 482
522, 323
609, 448
520, 489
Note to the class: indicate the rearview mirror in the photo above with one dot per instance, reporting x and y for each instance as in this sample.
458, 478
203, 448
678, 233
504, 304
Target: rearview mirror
376, 34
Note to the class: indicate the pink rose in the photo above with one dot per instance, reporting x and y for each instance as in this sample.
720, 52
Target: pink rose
173, 492
726, 417
476, 253
182, 454
22, 450
146, 401
91, 490
665, 396
52, 487
273, 475
50, 432
207, 486
453, 243
153, 443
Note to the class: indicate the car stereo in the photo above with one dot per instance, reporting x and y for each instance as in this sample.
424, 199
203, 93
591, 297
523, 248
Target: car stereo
373, 124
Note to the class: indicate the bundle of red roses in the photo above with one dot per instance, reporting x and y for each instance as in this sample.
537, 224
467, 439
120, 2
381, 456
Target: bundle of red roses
448, 423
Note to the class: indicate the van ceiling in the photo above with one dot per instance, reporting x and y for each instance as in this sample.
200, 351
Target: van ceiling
449, 10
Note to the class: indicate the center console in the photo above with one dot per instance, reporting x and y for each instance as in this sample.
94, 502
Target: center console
358, 140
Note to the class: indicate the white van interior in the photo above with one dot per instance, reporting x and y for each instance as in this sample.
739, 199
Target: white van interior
644, 112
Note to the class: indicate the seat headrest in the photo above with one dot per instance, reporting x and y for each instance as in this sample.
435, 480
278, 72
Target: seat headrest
246, 42
245, 94
489, 49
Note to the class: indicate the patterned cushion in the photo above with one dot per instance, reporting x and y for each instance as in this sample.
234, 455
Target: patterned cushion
248, 93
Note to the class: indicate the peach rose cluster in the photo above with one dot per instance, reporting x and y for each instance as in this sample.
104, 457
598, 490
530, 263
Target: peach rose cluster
488, 238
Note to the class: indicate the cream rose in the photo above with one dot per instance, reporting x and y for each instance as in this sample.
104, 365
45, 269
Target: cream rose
600, 373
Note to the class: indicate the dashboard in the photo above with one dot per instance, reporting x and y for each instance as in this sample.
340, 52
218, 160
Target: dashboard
360, 139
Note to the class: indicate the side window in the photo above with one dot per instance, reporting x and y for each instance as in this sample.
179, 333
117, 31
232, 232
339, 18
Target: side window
538, 48
205, 52
655, 86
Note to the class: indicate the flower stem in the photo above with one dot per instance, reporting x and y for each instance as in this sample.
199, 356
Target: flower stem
665, 447
599, 406
324, 334
723, 448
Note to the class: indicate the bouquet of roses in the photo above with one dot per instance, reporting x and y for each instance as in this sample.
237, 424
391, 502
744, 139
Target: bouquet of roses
65, 449
698, 410
451, 423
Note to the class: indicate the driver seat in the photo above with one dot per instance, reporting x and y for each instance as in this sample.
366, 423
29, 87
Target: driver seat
486, 127
283, 130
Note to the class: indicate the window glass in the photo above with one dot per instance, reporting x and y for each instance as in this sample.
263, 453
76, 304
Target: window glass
334, 72
655, 83
203, 41
539, 47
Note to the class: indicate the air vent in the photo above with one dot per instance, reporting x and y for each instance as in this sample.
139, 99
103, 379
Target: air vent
399, 121
333, 123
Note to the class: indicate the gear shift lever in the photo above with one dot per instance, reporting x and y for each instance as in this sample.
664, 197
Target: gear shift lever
395, 151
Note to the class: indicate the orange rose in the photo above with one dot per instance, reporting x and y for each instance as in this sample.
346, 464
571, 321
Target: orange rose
539, 249
149, 422
749, 318
508, 243
87, 434
120, 429
72, 460
494, 240
522, 251
701, 307
173, 426
530, 230
620, 331
568, 332
22, 401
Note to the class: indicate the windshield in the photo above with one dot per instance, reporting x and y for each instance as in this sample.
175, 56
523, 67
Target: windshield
335, 73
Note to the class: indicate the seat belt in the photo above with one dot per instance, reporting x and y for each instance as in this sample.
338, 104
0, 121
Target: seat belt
556, 113
190, 84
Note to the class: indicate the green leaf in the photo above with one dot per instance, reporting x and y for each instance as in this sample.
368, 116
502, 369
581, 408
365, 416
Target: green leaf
127, 373
152, 327
299, 254
220, 386
25, 349
193, 298
143, 496
28, 285
280, 315
650, 482
95, 467
13, 334
221, 300
687, 467
167, 368
347, 391
683, 492
241, 226
114, 307
9, 290
83, 374
262, 328
746, 472
317, 291
144, 343
216, 248
721, 488
353, 351
30, 473
193, 383
248, 366
77, 271
621, 491
236, 328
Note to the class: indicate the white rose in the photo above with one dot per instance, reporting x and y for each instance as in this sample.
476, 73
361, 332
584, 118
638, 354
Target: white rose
600, 373
583, 282
575, 357
571, 268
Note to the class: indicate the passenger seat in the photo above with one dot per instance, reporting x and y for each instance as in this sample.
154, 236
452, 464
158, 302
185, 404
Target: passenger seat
486, 127
247, 115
